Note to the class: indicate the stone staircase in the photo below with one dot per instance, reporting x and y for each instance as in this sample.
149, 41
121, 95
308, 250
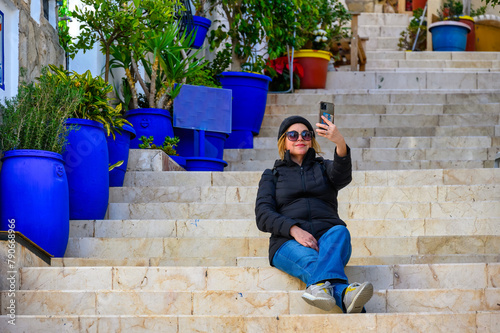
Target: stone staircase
180, 251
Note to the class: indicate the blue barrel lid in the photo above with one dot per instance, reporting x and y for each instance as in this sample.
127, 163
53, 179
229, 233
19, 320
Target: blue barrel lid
246, 74
136, 112
31, 153
78, 121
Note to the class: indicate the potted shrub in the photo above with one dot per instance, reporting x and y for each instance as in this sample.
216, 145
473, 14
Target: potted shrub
322, 23
407, 39
34, 196
245, 27
86, 154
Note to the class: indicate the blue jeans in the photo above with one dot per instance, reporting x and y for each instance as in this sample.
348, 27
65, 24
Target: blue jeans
312, 267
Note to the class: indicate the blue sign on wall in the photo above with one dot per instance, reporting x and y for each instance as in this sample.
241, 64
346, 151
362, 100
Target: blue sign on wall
2, 58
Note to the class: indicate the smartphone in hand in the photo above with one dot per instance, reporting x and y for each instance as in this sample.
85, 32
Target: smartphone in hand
327, 110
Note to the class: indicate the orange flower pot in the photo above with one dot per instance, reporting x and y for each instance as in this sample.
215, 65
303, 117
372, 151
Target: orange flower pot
315, 65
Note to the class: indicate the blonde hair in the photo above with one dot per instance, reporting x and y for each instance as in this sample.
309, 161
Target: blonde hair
282, 146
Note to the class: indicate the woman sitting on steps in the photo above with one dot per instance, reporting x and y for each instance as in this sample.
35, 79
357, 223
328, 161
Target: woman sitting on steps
297, 204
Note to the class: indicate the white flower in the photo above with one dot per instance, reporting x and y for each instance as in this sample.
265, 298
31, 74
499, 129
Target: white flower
315, 32
321, 32
318, 26
324, 39
317, 39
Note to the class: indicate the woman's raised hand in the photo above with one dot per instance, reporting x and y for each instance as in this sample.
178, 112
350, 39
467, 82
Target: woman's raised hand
330, 131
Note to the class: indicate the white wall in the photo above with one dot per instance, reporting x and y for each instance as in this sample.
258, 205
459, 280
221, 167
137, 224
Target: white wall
11, 49
36, 10
92, 60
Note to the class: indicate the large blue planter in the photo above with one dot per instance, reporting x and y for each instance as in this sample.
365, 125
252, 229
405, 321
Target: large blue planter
118, 150
150, 122
189, 143
200, 26
249, 105
87, 166
34, 195
449, 35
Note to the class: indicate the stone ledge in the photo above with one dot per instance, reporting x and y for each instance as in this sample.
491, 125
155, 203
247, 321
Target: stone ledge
151, 160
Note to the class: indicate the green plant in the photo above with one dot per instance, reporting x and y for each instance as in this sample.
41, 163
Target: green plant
35, 118
168, 145
163, 55
199, 7
95, 104
493, 3
322, 22
118, 21
251, 23
116, 165
407, 38
451, 10
209, 76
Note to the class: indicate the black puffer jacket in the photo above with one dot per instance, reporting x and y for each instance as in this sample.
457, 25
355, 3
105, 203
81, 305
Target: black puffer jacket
305, 196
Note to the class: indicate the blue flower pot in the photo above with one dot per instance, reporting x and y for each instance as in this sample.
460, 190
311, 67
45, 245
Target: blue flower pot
205, 164
118, 150
34, 195
200, 27
179, 160
150, 122
449, 35
249, 105
189, 144
87, 167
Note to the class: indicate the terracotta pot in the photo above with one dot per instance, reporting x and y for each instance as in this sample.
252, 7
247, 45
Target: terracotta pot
315, 65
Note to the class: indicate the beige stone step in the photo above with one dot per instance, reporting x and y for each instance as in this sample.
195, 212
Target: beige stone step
360, 178
378, 154
351, 194
385, 19
396, 120
429, 55
172, 210
418, 80
433, 65
378, 165
373, 31
377, 96
482, 321
391, 260
382, 43
433, 276
389, 109
491, 130
243, 303
121, 248
205, 228
394, 142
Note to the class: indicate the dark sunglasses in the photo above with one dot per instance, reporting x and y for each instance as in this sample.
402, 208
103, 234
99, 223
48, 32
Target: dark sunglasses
294, 135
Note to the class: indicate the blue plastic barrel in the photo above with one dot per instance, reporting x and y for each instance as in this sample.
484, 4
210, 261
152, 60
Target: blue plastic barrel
249, 92
449, 35
87, 167
150, 122
200, 26
34, 195
205, 164
118, 150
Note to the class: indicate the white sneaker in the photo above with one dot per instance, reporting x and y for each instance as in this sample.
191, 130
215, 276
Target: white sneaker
356, 296
320, 295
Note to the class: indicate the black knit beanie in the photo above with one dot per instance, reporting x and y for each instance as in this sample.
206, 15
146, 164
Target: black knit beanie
293, 120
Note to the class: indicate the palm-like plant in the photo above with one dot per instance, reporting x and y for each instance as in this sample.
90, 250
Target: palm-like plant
165, 62
95, 103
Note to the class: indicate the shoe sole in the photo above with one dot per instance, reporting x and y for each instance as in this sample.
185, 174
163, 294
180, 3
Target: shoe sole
325, 304
361, 299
